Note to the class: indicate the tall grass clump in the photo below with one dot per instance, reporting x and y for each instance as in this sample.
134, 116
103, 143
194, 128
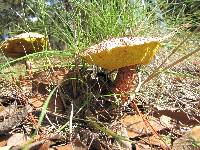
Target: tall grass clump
75, 25
179, 12
78, 24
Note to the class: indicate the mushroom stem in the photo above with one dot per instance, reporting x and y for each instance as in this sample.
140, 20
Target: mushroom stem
29, 66
125, 81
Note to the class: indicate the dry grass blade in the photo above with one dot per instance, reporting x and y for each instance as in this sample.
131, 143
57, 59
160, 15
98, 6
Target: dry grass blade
176, 48
70, 121
156, 73
157, 70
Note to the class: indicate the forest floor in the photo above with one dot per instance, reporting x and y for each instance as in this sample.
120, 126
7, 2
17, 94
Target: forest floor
65, 106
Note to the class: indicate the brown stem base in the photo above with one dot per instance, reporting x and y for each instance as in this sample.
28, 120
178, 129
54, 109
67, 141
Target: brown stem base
125, 82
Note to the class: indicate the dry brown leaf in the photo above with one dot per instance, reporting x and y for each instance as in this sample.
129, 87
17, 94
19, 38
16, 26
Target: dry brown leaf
36, 101
78, 145
142, 146
177, 115
45, 146
56, 104
17, 139
189, 141
52, 76
3, 143
166, 121
65, 147
75, 145
3, 140
182, 143
195, 134
136, 126
155, 141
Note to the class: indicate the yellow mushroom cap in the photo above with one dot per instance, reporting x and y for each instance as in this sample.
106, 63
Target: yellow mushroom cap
23, 44
119, 52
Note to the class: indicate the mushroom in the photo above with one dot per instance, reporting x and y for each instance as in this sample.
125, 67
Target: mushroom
124, 54
23, 44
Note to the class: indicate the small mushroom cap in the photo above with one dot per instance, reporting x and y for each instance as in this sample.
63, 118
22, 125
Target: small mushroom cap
119, 52
23, 44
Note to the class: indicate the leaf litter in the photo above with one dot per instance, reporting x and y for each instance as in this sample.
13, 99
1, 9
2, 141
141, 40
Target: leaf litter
98, 122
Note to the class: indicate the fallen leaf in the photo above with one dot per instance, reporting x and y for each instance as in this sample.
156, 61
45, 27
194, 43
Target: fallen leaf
166, 121
17, 139
45, 146
36, 101
75, 145
194, 134
65, 147
155, 140
3, 140
177, 115
142, 146
45, 79
78, 145
189, 141
120, 129
136, 126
